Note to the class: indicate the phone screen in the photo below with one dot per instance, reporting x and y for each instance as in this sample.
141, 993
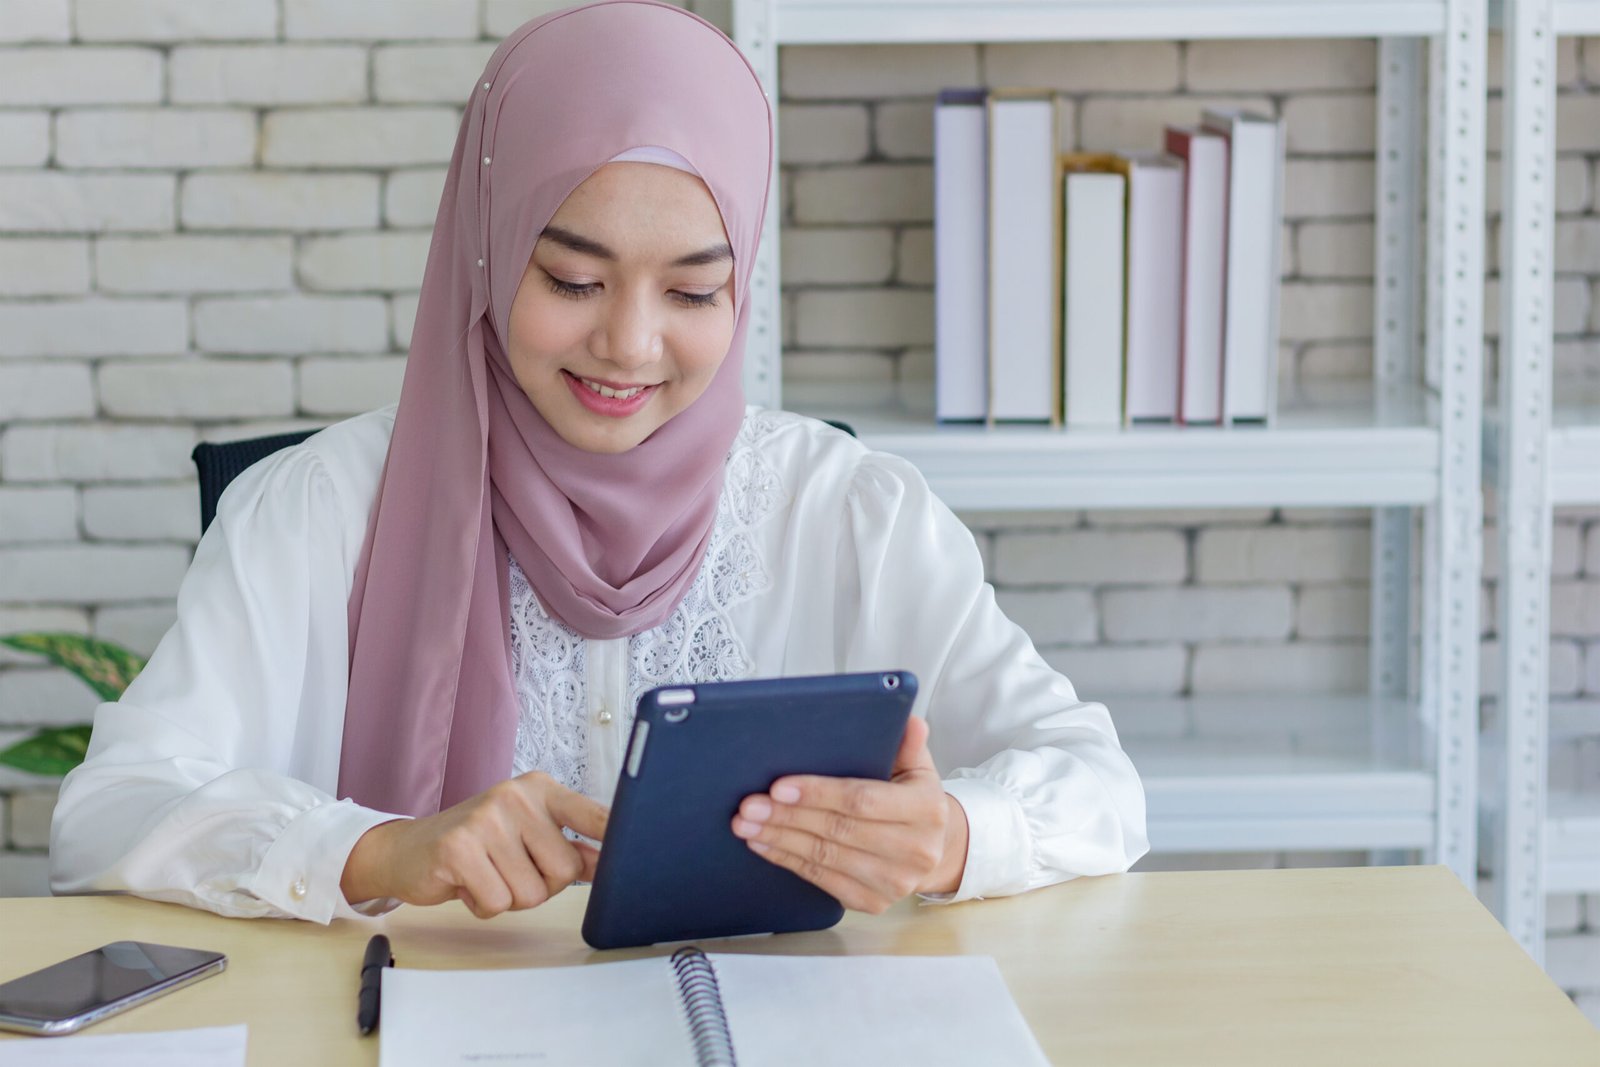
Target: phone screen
109, 974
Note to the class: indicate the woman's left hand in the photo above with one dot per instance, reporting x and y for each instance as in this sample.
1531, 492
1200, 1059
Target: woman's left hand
866, 843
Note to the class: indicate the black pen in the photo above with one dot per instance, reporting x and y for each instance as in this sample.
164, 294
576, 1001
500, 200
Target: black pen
376, 959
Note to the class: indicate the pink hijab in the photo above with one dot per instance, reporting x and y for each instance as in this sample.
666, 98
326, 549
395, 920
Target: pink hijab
610, 543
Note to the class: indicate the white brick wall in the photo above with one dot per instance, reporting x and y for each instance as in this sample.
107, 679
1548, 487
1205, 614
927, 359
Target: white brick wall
214, 218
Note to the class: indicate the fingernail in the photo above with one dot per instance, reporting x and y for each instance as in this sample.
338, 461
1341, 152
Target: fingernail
758, 809
761, 848
785, 793
746, 828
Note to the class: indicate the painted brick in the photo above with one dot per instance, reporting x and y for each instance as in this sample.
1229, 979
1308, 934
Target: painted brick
1333, 611
868, 193
1283, 554
1591, 550
1052, 616
1571, 306
1087, 557
156, 138
290, 325
142, 513
1572, 188
174, 20
1577, 123
24, 138
1301, 667
54, 390
38, 513
197, 389
93, 327
1565, 677
1569, 71
1578, 359
300, 202
342, 386
1346, 123
823, 133
137, 627
74, 203
857, 368
358, 136
1102, 672
1336, 250
904, 129
1328, 188
1591, 62
25, 874
1577, 245
852, 72
500, 17
37, 20
64, 77
383, 20
390, 260
914, 257
1325, 311
1337, 359
428, 73
1196, 613
1177, 518
44, 266
1591, 668
1566, 549
402, 316
92, 574
1573, 962
411, 197
837, 256
1563, 912
45, 697
268, 75
853, 318
1084, 67
194, 264
1575, 607
95, 453
1135, 124
30, 818
33, 620
1280, 66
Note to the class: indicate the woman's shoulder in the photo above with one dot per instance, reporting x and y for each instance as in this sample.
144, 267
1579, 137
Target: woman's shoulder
817, 458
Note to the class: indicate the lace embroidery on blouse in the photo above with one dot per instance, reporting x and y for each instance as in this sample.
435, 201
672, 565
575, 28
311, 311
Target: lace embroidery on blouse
696, 643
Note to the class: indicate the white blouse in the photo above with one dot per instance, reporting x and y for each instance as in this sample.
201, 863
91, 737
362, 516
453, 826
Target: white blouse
212, 781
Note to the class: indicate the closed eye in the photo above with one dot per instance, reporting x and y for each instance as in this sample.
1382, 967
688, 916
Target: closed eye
579, 292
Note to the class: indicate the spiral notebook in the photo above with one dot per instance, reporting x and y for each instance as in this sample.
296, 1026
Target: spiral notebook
698, 1010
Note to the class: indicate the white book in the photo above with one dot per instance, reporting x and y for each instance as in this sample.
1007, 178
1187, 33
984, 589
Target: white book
960, 238
1205, 271
1092, 297
1155, 286
1255, 219
1023, 345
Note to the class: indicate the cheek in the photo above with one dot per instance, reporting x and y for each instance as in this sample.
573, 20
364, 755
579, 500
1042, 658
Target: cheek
543, 327
703, 342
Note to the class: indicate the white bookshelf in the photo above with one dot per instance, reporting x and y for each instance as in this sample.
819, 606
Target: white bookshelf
1400, 771
1541, 452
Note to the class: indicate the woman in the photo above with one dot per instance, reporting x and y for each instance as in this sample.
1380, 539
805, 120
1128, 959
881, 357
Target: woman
407, 651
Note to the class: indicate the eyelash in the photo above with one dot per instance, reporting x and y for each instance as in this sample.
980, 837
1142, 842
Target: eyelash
578, 292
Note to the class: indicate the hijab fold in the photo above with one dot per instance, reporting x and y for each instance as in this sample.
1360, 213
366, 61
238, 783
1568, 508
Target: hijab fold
610, 543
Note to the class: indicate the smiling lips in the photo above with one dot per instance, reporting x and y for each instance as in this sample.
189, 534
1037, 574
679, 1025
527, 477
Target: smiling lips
609, 400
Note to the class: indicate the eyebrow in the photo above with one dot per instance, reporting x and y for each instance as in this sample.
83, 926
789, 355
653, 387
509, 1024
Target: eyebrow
588, 247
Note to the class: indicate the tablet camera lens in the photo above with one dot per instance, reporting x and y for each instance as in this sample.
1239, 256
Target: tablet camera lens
675, 714
891, 681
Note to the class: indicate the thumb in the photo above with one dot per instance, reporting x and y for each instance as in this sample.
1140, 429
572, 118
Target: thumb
913, 757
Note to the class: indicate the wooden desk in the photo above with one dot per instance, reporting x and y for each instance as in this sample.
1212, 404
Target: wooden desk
1357, 965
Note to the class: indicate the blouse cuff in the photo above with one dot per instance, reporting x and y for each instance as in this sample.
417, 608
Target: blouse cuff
998, 842
300, 872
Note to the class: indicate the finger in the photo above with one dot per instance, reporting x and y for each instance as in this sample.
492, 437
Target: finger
860, 798
517, 870
902, 841
840, 886
913, 756
591, 860
886, 876
577, 812
487, 893
558, 860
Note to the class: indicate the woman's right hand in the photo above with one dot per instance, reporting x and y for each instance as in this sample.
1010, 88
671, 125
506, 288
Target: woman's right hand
501, 850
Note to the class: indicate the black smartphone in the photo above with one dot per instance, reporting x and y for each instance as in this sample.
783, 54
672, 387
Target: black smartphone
67, 996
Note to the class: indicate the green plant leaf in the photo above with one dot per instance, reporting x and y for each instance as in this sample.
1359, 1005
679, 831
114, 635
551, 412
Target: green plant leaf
54, 751
104, 667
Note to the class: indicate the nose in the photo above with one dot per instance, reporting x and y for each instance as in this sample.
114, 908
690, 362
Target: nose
630, 335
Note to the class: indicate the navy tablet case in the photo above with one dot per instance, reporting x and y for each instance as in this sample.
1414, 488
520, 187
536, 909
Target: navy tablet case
671, 868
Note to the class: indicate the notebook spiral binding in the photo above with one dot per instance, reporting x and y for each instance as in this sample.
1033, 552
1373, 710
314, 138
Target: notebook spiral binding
702, 1004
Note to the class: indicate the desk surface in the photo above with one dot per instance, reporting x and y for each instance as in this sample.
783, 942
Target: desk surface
1333, 966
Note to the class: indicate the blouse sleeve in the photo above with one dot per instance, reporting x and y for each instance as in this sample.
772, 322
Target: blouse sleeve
209, 783
1048, 791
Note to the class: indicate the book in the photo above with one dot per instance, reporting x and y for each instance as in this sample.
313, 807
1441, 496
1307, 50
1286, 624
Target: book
1205, 271
1024, 320
697, 1010
1094, 236
961, 256
1154, 286
1255, 221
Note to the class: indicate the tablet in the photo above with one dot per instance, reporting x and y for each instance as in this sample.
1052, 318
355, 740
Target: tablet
671, 868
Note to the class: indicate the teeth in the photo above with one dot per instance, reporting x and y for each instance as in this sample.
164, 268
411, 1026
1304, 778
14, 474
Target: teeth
606, 390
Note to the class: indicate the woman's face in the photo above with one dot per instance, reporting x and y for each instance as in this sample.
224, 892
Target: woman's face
629, 292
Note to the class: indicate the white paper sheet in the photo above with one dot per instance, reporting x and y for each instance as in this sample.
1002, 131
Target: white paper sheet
213, 1046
